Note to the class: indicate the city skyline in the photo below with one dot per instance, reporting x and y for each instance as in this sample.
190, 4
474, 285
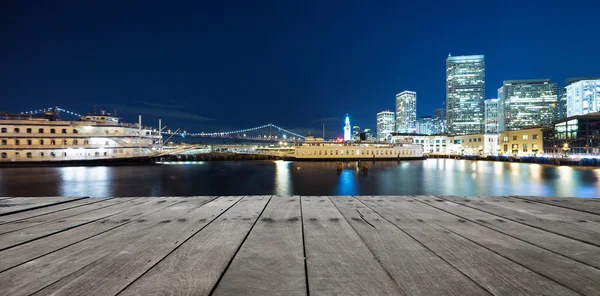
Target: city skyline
298, 65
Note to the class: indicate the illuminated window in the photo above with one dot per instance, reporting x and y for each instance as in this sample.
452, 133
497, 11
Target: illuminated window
525, 146
525, 137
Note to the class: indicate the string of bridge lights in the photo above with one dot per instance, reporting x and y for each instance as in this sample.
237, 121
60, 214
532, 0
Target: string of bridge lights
38, 111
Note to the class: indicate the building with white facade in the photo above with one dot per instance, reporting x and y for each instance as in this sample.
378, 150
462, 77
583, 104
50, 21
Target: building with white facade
491, 115
583, 96
406, 112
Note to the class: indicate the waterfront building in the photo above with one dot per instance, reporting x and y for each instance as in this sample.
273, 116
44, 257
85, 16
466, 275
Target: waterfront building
432, 143
523, 142
575, 135
526, 103
465, 87
425, 125
491, 115
347, 134
385, 124
406, 112
583, 96
475, 144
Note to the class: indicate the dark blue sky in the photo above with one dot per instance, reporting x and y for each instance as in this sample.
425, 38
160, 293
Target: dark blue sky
220, 65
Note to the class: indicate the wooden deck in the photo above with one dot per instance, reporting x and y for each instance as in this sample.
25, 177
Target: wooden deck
272, 245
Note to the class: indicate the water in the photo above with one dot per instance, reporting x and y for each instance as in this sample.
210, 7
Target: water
428, 177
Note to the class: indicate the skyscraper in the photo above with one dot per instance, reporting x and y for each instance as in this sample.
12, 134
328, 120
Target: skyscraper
561, 110
406, 112
526, 103
347, 135
583, 95
465, 87
385, 124
491, 115
425, 125
440, 113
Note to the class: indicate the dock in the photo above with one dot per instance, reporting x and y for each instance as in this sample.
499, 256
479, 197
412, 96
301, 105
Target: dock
299, 245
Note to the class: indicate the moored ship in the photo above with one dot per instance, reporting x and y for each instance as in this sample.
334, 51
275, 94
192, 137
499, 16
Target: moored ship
318, 149
27, 139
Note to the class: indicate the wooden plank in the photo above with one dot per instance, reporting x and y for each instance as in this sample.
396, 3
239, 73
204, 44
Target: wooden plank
49, 210
196, 266
15, 238
569, 230
33, 276
576, 250
271, 260
338, 262
586, 205
20, 204
61, 215
580, 219
35, 249
493, 272
572, 274
416, 269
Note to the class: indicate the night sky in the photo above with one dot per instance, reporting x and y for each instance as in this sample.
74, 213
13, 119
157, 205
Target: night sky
226, 65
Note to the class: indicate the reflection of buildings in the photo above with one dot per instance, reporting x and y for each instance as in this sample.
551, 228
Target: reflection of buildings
385, 124
465, 86
574, 135
522, 142
282, 181
406, 112
583, 96
526, 103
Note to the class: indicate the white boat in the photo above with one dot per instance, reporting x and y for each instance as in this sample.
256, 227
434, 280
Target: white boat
94, 139
318, 149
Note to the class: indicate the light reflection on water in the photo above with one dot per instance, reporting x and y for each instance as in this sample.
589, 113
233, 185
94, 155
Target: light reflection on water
429, 177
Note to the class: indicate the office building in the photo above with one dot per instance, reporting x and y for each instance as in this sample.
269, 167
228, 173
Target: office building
577, 135
385, 125
465, 88
425, 125
526, 103
561, 110
583, 96
491, 115
406, 112
522, 142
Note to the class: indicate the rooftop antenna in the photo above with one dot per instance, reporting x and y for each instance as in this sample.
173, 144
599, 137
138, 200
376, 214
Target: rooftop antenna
449, 55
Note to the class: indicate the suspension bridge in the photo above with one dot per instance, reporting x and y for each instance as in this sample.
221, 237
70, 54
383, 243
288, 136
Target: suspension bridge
268, 132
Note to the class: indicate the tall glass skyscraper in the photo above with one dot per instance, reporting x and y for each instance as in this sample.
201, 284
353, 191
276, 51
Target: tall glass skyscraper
406, 112
526, 103
583, 96
491, 115
385, 124
465, 88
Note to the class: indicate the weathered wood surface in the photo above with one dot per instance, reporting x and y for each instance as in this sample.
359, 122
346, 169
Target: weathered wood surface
271, 260
47, 210
257, 245
416, 269
338, 261
576, 276
493, 272
19, 204
586, 205
195, 268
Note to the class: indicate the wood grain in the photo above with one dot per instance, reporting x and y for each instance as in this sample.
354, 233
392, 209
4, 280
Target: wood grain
48, 210
271, 260
574, 275
196, 266
16, 205
587, 205
496, 274
416, 269
28, 278
338, 261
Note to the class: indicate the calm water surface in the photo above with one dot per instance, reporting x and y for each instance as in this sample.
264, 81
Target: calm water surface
428, 177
